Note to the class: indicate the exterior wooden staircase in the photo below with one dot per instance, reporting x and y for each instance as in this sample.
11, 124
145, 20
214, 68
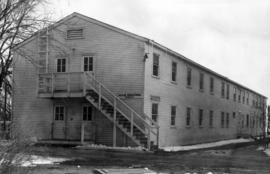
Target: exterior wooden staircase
141, 129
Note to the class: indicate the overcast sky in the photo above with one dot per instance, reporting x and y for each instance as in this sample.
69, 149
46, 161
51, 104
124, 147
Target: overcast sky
231, 37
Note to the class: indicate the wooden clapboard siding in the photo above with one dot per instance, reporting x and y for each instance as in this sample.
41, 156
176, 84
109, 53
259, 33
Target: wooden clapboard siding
179, 95
118, 64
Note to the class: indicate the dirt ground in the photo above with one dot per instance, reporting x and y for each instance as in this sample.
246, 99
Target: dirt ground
245, 159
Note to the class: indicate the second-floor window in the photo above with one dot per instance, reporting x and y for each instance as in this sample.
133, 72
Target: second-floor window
222, 89
201, 84
87, 63
174, 71
234, 94
155, 64
227, 120
211, 85
61, 65
228, 92
189, 71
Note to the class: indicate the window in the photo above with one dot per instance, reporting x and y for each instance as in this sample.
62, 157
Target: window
234, 94
87, 63
239, 97
201, 84
87, 113
243, 100
247, 120
200, 117
61, 65
247, 98
222, 119
59, 113
173, 115
188, 116
233, 114
174, 71
189, 71
227, 120
155, 64
228, 92
154, 111
222, 89
211, 84
75, 33
211, 118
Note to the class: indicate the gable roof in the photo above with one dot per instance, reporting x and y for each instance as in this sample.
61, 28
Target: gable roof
138, 37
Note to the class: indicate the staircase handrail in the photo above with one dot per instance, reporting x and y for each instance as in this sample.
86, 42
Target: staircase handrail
154, 124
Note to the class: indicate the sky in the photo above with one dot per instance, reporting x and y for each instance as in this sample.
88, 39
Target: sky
231, 37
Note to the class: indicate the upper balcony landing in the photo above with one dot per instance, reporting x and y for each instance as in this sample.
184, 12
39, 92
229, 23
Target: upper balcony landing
68, 84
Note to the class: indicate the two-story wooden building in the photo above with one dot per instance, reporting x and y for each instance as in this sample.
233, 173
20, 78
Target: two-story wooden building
83, 80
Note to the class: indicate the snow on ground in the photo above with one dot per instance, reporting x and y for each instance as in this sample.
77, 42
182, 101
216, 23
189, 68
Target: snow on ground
34, 160
98, 146
205, 145
267, 151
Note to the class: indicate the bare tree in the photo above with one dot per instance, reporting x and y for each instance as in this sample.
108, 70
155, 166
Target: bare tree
18, 21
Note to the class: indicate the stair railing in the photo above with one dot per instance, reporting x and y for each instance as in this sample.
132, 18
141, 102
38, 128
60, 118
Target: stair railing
141, 122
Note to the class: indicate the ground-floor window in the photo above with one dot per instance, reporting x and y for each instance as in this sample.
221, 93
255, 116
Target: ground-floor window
200, 117
173, 115
154, 111
59, 113
222, 119
87, 113
188, 116
227, 120
211, 118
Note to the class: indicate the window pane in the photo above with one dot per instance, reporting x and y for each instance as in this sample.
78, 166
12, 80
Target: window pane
174, 71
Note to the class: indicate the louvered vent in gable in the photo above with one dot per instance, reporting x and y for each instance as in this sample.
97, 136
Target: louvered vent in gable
75, 33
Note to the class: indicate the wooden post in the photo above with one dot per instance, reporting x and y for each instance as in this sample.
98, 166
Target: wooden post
52, 79
99, 96
114, 122
148, 138
68, 85
82, 133
84, 83
131, 123
157, 138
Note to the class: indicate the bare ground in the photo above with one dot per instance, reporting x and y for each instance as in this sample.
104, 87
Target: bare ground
233, 159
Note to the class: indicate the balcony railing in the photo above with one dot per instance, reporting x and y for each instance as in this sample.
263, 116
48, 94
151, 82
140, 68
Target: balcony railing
53, 84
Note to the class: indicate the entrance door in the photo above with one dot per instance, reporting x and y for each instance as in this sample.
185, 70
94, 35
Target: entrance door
88, 123
59, 126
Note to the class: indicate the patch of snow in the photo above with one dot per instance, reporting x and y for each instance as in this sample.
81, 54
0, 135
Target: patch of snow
99, 146
260, 148
205, 145
34, 160
267, 151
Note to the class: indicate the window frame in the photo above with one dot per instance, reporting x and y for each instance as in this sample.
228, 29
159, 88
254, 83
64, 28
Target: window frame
174, 72
60, 66
211, 118
201, 81
212, 85
156, 64
173, 115
88, 65
154, 114
58, 117
189, 77
188, 116
222, 89
87, 116
222, 119
200, 119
